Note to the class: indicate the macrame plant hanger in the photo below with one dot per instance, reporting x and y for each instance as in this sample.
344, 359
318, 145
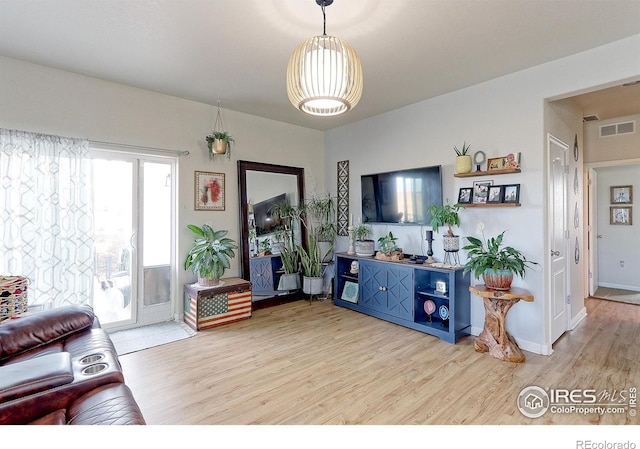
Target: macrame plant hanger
216, 144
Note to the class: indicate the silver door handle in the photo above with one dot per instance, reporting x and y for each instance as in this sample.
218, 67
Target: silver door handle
555, 253
599, 236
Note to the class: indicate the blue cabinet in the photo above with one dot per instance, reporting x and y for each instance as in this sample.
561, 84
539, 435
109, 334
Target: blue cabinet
387, 288
432, 300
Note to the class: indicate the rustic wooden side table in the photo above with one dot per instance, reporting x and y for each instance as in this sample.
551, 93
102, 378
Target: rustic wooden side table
494, 338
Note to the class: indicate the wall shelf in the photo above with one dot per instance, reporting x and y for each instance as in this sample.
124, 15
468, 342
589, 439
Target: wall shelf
492, 205
504, 171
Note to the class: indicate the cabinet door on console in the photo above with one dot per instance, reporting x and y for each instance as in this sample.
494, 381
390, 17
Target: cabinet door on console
387, 289
261, 275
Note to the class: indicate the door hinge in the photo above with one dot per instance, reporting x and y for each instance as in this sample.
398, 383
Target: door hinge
590, 275
566, 168
568, 299
566, 234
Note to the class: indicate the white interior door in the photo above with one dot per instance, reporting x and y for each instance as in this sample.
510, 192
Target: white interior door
558, 241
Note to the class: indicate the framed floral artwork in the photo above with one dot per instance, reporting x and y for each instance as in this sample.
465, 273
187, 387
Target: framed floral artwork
209, 191
621, 194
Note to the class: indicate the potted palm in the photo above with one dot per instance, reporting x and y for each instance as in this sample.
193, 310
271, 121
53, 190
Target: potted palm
219, 142
210, 255
364, 245
497, 264
463, 160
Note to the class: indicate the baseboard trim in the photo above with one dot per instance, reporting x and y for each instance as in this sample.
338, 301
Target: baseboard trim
632, 288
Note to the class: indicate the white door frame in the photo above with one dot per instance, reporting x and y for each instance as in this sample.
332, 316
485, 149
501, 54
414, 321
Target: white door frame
590, 213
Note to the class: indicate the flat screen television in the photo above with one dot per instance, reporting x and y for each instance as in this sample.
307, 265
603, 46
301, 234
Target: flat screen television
401, 196
266, 222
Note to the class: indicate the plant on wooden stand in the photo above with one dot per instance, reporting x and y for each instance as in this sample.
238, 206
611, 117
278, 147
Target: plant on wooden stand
496, 263
210, 255
446, 215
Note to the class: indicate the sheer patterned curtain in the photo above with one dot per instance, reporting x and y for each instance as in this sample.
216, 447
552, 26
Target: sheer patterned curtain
46, 223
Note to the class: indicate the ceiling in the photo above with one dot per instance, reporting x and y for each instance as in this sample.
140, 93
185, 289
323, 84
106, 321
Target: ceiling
235, 52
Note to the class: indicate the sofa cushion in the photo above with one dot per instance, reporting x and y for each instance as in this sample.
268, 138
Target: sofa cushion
35, 375
107, 405
24, 334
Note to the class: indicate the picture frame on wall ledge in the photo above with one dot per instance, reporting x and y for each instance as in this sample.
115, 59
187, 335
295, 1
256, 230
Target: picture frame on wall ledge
495, 195
620, 215
481, 191
511, 193
621, 194
465, 196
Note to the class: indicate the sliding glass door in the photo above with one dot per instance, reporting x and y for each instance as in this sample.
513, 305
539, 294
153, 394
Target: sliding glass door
134, 241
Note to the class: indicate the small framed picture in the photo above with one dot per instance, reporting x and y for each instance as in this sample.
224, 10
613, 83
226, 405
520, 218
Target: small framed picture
511, 193
465, 195
495, 163
620, 215
209, 191
511, 160
481, 191
621, 194
495, 194
350, 292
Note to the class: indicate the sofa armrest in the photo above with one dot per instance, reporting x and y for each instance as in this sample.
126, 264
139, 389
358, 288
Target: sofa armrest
23, 334
35, 375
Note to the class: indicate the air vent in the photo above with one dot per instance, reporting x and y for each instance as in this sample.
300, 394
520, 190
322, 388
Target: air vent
590, 118
616, 129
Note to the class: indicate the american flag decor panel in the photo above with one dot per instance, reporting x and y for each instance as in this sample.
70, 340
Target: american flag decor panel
216, 310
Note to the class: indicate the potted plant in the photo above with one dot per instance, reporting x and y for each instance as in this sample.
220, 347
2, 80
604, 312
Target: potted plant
210, 255
364, 245
446, 215
497, 264
290, 279
388, 248
219, 142
311, 261
265, 247
463, 160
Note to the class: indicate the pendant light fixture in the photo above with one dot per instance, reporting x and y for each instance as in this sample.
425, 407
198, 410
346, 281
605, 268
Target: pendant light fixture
324, 76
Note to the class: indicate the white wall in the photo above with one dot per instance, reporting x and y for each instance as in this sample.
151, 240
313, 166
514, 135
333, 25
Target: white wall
500, 116
613, 148
40, 99
618, 249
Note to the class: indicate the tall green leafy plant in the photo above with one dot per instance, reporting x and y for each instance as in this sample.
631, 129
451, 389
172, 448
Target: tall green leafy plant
446, 215
211, 253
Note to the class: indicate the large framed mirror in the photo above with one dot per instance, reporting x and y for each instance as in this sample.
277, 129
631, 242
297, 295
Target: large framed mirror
260, 185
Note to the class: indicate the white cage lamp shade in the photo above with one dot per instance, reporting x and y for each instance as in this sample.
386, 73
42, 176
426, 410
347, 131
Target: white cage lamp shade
324, 76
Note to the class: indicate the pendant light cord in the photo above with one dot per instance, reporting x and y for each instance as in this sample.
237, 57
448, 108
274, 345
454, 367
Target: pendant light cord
324, 20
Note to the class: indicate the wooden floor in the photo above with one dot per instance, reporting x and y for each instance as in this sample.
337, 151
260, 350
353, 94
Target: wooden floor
302, 363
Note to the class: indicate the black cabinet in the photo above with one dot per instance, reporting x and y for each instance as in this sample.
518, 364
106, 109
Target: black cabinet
432, 300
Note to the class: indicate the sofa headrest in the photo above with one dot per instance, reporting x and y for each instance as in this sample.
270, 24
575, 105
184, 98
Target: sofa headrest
23, 334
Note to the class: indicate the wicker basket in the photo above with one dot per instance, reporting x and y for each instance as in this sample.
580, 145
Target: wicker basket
13, 296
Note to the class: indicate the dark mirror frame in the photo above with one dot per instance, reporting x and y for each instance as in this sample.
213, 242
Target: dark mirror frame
243, 167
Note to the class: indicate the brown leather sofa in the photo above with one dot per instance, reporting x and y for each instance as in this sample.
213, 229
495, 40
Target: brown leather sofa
61, 367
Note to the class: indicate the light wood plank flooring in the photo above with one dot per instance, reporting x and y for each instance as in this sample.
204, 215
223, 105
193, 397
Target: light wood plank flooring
302, 363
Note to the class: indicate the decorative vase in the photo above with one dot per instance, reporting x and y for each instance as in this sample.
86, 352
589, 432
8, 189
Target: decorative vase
365, 248
208, 282
463, 164
497, 279
219, 146
312, 285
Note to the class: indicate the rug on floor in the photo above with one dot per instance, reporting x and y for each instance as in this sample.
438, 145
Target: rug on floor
133, 340
615, 294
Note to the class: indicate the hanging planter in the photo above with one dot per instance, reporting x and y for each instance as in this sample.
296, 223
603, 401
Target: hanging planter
219, 141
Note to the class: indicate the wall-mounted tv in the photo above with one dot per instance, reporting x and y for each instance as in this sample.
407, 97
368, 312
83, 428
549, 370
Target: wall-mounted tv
265, 221
401, 196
